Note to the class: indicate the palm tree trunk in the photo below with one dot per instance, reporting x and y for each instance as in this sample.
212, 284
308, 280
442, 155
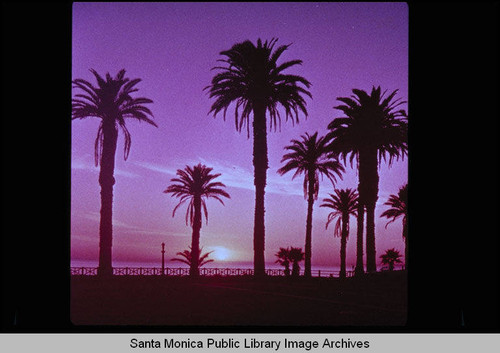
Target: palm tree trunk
371, 265
359, 241
308, 246
368, 194
194, 270
295, 269
260, 164
406, 249
343, 244
106, 181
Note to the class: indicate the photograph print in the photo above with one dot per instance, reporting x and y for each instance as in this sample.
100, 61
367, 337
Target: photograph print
239, 164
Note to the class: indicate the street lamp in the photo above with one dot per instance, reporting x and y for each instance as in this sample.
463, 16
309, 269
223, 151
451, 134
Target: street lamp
162, 259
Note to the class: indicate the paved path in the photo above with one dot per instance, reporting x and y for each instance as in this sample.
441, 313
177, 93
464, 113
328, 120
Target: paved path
229, 303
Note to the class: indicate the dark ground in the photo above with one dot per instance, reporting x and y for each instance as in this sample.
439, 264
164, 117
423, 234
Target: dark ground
376, 300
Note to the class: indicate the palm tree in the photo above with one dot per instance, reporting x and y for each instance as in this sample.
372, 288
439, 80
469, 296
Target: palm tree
283, 256
344, 204
371, 130
195, 184
256, 84
399, 207
311, 158
296, 255
391, 257
186, 257
110, 101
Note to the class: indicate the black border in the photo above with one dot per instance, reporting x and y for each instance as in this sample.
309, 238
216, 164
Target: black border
453, 173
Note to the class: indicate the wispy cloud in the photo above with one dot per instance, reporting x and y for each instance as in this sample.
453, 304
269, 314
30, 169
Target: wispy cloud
235, 176
156, 167
129, 228
86, 163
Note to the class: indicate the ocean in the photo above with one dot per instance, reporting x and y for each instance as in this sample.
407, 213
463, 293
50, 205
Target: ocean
218, 264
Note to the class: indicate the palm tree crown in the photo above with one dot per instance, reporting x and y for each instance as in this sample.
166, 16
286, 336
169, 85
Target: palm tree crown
398, 207
391, 257
253, 77
187, 257
196, 182
296, 255
344, 201
311, 158
370, 122
283, 256
110, 101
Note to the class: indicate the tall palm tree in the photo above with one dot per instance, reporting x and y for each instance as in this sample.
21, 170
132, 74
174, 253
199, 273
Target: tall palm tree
399, 208
110, 101
344, 203
195, 184
186, 257
371, 130
311, 158
296, 255
391, 257
256, 84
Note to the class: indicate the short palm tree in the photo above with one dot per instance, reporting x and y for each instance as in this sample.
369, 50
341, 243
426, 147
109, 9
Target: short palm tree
310, 157
296, 255
187, 258
110, 101
344, 203
283, 256
371, 130
399, 208
256, 84
391, 257
195, 184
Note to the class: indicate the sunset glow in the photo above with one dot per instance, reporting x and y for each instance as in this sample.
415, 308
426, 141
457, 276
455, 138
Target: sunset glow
221, 253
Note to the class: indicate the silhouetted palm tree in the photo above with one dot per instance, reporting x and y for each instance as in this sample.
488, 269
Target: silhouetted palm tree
110, 101
391, 257
296, 255
344, 204
195, 185
186, 257
310, 157
399, 208
255, 83
283, 256
371, 130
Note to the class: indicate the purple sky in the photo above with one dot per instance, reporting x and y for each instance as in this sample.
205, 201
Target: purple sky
172, 47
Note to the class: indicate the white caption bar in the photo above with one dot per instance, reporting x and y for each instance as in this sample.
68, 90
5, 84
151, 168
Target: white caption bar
249, 343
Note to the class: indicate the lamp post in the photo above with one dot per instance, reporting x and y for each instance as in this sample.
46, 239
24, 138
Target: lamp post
162, 259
